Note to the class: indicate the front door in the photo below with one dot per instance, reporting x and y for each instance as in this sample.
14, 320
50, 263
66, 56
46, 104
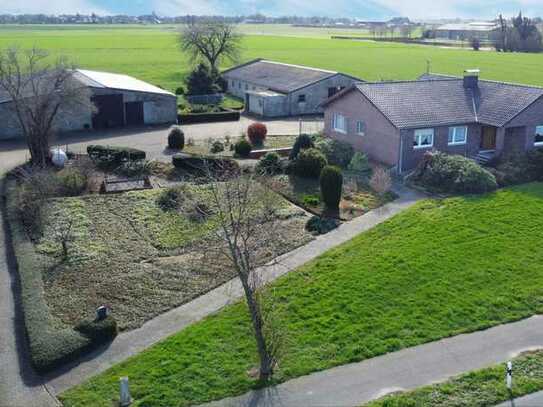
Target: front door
488, 139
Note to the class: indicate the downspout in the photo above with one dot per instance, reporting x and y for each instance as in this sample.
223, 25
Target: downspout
400, 159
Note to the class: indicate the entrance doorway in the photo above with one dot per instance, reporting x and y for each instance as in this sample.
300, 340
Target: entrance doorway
488, 139
134, 113
109, 111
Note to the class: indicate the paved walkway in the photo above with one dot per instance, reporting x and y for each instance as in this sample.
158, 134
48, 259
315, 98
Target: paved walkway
133, 342
356, 384
532, 400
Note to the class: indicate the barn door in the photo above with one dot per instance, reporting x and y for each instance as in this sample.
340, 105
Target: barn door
109, 111
134, 113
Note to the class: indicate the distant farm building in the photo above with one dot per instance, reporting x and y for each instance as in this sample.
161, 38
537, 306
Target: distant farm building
274, 89
484, 31
120, 101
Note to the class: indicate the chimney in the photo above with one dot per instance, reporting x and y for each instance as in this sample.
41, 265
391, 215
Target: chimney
471, 78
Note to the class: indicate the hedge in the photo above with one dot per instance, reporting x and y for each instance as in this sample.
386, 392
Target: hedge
50, 346
116, 154
204, 163
227, 116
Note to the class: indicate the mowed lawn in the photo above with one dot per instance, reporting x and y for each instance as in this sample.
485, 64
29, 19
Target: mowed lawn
442, 268
152, 54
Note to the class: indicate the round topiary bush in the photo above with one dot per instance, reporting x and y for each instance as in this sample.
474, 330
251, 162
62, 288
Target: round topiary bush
337, 152
217, 147
321, 226
256, 133
176, 139
270, 164
303, 142
180, 91
243, 148
310, 163
331, 182
360, 163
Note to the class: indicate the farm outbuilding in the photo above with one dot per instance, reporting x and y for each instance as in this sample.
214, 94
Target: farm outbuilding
274, 89
120, 101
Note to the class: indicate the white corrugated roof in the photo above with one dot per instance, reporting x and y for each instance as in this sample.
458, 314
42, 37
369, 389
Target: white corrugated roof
117, 81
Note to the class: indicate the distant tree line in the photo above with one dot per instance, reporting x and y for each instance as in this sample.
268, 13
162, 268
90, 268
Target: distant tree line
519, 34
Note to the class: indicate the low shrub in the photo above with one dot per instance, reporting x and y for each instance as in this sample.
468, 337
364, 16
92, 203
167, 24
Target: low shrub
99, 331
303, 142
331, 183
115, 155
321, 226
243, 148
176, 139
310, 163
256, 133
518, 168
170, 199
311, 200
217, 147
337, 152
205, 165
180, 91
380, 181
73, 182
360, 163
453, 174
270, 164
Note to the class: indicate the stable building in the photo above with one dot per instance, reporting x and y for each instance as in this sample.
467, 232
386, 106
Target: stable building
120, 101
274, 89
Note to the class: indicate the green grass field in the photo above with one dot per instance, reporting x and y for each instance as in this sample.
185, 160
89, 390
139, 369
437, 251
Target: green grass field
151, 53
442, 268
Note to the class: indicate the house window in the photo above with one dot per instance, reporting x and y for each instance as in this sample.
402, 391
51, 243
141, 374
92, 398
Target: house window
339, 123
246, 86
539, 136
458, 135
424, 138
301, 98
332, 91
239, 85
360, 128
233, 84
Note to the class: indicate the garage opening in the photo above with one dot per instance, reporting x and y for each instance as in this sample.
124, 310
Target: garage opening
134, 113
110, 111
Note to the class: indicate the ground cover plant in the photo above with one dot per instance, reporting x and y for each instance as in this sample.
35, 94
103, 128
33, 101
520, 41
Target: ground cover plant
485, 387
406, 282
137, 255
152, 54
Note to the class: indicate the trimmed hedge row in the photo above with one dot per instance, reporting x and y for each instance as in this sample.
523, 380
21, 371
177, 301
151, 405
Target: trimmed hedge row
115, 154
191, 118
50, 346
202, 164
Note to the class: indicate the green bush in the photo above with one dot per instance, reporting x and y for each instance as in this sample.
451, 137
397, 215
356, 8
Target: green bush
115, 155
337, 152
270, 164
453, 174
217, 147
243, 148
176, 139
201, 165
321, 226
303, 142
180, 91
360, 163
310, 163
99, 332
170, 199
72, 181
311, 200
331, 182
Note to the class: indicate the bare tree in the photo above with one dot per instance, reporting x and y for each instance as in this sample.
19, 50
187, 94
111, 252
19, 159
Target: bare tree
243, 208
211, 41
40, 94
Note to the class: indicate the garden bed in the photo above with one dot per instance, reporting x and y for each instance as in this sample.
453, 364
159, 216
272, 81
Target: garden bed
357, 200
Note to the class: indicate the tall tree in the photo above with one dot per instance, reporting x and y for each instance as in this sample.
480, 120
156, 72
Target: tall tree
40, 95
212, 42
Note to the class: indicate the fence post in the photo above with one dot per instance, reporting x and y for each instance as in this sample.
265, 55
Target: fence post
125, 399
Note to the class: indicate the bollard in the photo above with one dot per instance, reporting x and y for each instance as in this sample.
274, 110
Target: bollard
509, 375
125, 399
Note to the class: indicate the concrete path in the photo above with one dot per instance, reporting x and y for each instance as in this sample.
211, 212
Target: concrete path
133, 342
19, 385
359, 383
532, 400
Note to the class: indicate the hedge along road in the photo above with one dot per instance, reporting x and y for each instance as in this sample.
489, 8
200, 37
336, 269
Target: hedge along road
153, 140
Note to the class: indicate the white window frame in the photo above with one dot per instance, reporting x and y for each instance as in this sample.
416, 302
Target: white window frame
538, 130
454, 130
336, 123
361, 127
423, 133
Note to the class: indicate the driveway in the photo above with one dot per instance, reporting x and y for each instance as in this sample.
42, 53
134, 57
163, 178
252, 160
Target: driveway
153, 139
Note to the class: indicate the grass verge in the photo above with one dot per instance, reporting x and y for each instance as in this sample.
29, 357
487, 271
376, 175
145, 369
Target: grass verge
485, 387
442, 268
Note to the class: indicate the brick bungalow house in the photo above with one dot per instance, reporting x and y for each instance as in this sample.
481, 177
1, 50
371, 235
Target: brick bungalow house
397, 122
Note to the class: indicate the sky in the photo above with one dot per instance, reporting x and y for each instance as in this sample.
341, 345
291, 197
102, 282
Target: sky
364, 9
